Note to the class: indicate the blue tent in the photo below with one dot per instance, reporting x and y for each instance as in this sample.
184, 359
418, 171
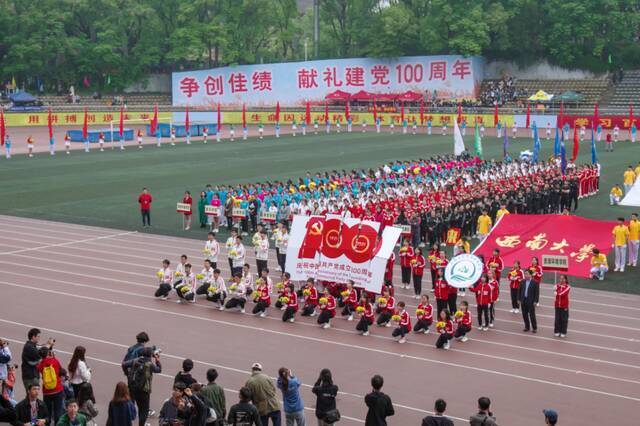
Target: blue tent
22, 98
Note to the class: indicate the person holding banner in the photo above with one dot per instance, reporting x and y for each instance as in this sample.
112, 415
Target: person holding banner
496, 264
463, 322
483, 298
186, 287
403, 320
217, 290
290, 300
561, 305
424, 315
164, 278
262, 298
367, 316
327, 304
349, 299
516, 276
494, 283
417, 271
187, 215
444, 328
406, 254
310, 294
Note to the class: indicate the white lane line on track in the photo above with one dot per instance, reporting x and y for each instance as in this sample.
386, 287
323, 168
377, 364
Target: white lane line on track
340, 344
103, 237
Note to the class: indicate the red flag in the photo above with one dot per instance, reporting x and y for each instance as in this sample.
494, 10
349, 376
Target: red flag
187, 124
121, 122
2, 128
421, 111
219, 118
278, 112
630, 116
576, 144
495, 115
85, 129
402, 112
560, 116
346, 111
528, 121
596, 119
375, 110
307, 114
154, 120
326, 112
49, 125
459, 113
244, 116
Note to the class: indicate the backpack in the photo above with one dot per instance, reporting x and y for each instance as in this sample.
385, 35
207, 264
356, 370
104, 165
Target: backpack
132, 352
138, 375
49, 377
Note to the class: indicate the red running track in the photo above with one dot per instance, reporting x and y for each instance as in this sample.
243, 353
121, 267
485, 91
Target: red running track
94, 286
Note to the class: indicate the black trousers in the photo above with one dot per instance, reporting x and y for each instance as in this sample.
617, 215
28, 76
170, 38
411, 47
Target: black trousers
146, 217
217, 298
282, 261
417, 284
202, 289
308, 310
230, 264
348, 310
384, 318
261, 264
561, 321
452, 302
324, 317
406, 274
441, 304
462, 330
483, 310
234, 302
289, 313
514, 298
433, 277
163, 290
142, 402
442, 339
492, 312
400, 331
364, 324
529, 316
259, 307
422, 325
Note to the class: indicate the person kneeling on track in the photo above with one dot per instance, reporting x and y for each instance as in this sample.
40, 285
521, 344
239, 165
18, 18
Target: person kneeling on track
310, 294
262, 298
444, 328
186, 287
463, 321
365, 310
386, 308
424, 314
217, 290
164, 277
238, 294
290, 300
327, 305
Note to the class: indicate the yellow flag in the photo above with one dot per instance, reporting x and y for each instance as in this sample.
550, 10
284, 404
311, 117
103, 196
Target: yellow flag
13, 82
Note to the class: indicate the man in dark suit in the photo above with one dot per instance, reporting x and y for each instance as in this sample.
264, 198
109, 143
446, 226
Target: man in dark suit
528, 294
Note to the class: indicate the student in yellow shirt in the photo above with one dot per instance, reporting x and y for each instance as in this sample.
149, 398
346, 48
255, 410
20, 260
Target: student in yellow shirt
599, 265
629, 177
503, 211
634, 240
615, 195
484, 225
620, 238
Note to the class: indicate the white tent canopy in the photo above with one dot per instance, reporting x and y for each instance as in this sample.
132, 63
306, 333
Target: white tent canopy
632, 198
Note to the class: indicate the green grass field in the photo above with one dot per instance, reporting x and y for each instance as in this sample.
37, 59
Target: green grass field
101, 188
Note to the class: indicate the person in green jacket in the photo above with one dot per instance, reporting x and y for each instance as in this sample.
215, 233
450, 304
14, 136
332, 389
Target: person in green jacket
213, 397
202, 216
264, 395
72, 417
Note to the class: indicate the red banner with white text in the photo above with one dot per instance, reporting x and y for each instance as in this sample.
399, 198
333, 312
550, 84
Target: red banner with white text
607, 122
521, 237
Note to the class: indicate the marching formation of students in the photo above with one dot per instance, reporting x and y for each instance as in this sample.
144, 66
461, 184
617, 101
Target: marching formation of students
328, 300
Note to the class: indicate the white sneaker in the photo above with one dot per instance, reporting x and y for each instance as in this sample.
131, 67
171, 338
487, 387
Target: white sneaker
621, 269
615, 269
350, 318
464, 339
366, 333
512, 310
491, 324
164, 297
556, 334
263, 314
402, 340
563, 335
388, 325
193, 301
537, 303
326, 325
242, 310
313, 314
486, 328
221, 308
426, 331
283, 308
179, 301
291, 320
446, 346
517, 311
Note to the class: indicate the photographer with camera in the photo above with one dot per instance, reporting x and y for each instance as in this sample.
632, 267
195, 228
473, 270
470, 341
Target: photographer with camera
133, 352
31, 358
139, 375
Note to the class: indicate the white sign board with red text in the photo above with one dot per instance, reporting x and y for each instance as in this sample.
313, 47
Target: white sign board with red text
338, 249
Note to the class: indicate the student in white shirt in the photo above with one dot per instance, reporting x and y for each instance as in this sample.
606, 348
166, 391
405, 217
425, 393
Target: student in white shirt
211, 249
237, 294
277, 237
164, 278
178, 275
217, 291
238, 256
206, 278
231, 242
262, 253
186, 290
247, 279
284, 243
78, 370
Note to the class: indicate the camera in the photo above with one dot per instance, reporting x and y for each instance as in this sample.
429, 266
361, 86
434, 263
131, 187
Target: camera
156, 351
3, 343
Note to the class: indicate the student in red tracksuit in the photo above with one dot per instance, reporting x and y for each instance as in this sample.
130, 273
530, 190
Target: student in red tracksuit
516, 276
406, 255
441, 293
424, 318
417, 270
483, 298
367, 316
496, 264
291, 305
561, 305
495, 295
404, 323
310, 294
350, 300
386, 310
463, 322
536, 273
388, 271
433, 266
327, 309
263, 300
445, 332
